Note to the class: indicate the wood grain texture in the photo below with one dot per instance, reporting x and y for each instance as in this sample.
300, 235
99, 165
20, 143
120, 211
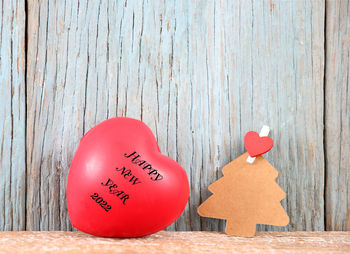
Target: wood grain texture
175, 242
200, 74
337, 115
12, 115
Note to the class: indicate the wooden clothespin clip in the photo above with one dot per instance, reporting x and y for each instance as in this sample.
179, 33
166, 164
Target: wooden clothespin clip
256, 145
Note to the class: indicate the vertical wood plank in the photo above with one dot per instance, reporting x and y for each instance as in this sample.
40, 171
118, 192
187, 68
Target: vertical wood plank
57, 77
270, 55
199, 73
12, 115
337, 115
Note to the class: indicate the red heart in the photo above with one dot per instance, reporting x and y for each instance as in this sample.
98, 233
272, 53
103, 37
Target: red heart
120, 185
257, 145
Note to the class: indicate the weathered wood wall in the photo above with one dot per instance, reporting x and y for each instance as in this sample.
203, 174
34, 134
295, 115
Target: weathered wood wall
12, 115
200, 74
337, 115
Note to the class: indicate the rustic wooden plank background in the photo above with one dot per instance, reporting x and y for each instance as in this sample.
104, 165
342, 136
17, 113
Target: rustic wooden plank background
12, 115
200, 74
337, 116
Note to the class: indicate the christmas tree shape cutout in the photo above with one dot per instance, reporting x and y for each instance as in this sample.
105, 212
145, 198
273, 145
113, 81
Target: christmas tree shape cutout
246, 195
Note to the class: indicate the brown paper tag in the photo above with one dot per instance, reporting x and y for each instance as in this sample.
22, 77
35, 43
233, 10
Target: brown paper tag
246, 195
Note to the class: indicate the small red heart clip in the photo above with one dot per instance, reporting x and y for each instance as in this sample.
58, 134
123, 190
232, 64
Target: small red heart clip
257, 145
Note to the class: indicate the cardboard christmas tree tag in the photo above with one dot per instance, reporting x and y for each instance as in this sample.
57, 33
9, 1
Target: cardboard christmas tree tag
246, 195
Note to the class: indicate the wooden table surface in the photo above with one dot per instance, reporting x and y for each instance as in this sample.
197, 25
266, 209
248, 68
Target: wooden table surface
175, 242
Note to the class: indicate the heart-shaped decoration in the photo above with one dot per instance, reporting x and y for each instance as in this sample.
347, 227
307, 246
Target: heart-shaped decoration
120, 185
257, 145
